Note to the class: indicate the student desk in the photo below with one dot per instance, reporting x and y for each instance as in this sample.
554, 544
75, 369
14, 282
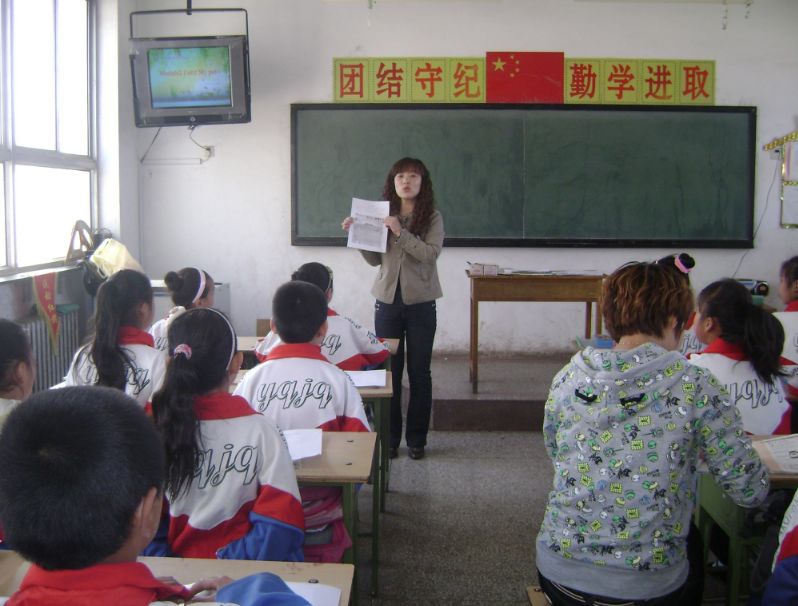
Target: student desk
530, 287
184, 570
346, 460
715, 508
380, 399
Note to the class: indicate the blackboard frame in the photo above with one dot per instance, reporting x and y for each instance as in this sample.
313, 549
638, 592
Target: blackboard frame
748, 112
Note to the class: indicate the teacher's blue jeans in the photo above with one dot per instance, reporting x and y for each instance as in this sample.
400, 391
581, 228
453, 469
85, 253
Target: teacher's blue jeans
414, 326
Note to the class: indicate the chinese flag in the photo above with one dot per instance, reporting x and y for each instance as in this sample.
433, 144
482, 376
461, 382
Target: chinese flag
524, 77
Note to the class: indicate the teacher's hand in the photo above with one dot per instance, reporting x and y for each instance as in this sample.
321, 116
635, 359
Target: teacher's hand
393, 224
347, 223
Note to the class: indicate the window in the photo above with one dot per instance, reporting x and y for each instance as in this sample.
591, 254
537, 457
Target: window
49, 166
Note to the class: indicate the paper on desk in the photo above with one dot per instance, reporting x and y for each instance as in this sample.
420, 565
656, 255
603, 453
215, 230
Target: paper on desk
368, 232
367, 378
303, 443
783, 451
318, 594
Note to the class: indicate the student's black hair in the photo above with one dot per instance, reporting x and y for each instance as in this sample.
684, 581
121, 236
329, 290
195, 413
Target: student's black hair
298, 311
682, 263
201, 345
117, 305
315, 273
758, 332
184, 284
74, 466
789, 270
14, 348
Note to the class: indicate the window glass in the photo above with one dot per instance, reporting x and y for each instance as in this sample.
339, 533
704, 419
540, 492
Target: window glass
33, 81
47, 202
72, 71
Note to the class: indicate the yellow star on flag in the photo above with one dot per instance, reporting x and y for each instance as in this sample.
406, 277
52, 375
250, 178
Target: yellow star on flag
498, 65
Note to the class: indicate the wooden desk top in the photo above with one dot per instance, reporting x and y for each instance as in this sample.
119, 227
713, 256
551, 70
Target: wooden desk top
386, 391
248, 343
13, 568
778, 478
345, 458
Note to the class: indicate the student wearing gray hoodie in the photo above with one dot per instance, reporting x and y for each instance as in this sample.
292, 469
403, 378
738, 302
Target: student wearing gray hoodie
626, 429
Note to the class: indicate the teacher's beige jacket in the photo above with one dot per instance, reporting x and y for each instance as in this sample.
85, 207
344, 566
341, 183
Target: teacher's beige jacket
410, 260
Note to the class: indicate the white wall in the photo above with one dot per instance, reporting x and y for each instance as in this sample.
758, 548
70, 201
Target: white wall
231, 215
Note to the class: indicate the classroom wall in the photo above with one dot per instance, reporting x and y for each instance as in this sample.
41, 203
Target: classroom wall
231, 215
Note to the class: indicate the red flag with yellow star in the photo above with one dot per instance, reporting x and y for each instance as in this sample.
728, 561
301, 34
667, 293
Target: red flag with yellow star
528, 77
44, 293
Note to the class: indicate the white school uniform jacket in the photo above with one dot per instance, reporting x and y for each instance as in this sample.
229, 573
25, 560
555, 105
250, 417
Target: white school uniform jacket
243, 501
144, 375
297, 388
160, 329
763, 406
347, 344
789, 354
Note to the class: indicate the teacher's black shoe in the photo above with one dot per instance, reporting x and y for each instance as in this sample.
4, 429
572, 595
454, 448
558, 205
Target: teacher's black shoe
416, 453
393, 452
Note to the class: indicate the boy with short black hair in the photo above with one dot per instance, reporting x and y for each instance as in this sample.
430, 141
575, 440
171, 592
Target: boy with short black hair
81, 475
296, 387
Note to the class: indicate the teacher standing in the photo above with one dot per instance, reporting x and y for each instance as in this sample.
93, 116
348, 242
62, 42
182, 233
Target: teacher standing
406, 288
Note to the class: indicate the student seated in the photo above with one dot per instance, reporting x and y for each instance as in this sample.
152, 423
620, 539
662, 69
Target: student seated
625, 429
230, 480
743, 352
17, 367
81, 471
189, 288
788, 293
782, 587
347, 344
298, 388
121, 353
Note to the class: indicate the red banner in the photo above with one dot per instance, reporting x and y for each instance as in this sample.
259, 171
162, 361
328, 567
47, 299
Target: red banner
44, 294
524, 77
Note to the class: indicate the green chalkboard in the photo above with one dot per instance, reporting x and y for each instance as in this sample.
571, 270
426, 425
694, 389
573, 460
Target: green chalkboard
532, 175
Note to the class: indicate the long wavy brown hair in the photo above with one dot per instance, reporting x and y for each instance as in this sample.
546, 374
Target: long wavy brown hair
425, 202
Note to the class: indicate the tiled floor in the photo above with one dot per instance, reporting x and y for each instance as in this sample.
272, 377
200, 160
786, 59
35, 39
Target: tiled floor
460, 525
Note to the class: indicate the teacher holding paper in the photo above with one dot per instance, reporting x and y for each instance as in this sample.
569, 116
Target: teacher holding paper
406, 288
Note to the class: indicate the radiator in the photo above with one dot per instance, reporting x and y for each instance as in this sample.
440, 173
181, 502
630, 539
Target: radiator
51, 366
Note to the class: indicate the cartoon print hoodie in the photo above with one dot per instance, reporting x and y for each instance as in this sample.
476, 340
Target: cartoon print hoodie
626, 431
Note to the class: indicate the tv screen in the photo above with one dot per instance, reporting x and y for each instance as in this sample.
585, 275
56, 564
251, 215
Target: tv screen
188, 81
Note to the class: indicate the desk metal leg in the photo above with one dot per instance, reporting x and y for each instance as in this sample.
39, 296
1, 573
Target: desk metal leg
349, 498
588, 318
473, 352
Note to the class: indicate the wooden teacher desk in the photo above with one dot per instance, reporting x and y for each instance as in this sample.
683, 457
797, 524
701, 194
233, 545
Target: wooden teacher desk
548, 287
13, 568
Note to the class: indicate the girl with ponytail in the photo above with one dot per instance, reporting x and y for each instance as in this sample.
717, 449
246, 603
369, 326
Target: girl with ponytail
190, 287
743, 351
121, 353
230, 481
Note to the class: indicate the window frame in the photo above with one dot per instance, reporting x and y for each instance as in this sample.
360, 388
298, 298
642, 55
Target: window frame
12, 155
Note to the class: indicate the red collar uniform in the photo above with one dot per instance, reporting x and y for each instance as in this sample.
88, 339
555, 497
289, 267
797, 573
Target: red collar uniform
144, 374
243, 502
126, 584
298, 388
789, 354
763, 406
347, 344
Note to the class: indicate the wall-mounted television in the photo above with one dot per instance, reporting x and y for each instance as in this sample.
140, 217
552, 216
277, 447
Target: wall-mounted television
190, 80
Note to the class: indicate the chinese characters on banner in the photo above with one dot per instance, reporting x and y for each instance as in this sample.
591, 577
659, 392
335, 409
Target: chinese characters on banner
44, 294
639, 81
410, 80
524, 77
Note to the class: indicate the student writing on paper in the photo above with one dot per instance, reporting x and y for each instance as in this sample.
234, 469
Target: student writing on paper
230, 480
347, 343
406, 288
625, 429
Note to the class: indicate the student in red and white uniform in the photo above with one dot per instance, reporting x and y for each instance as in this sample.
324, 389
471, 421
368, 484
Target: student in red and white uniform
347, 344
298, 388
121, 353
782, 588
189, 287
788, 293
743, 351
230, 480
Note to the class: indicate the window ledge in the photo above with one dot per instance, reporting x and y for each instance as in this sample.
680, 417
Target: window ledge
13, 274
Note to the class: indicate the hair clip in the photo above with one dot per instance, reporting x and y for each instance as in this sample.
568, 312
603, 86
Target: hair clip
182, 349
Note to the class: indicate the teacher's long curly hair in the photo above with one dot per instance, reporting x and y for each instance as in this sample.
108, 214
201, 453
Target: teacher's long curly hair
425, 202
